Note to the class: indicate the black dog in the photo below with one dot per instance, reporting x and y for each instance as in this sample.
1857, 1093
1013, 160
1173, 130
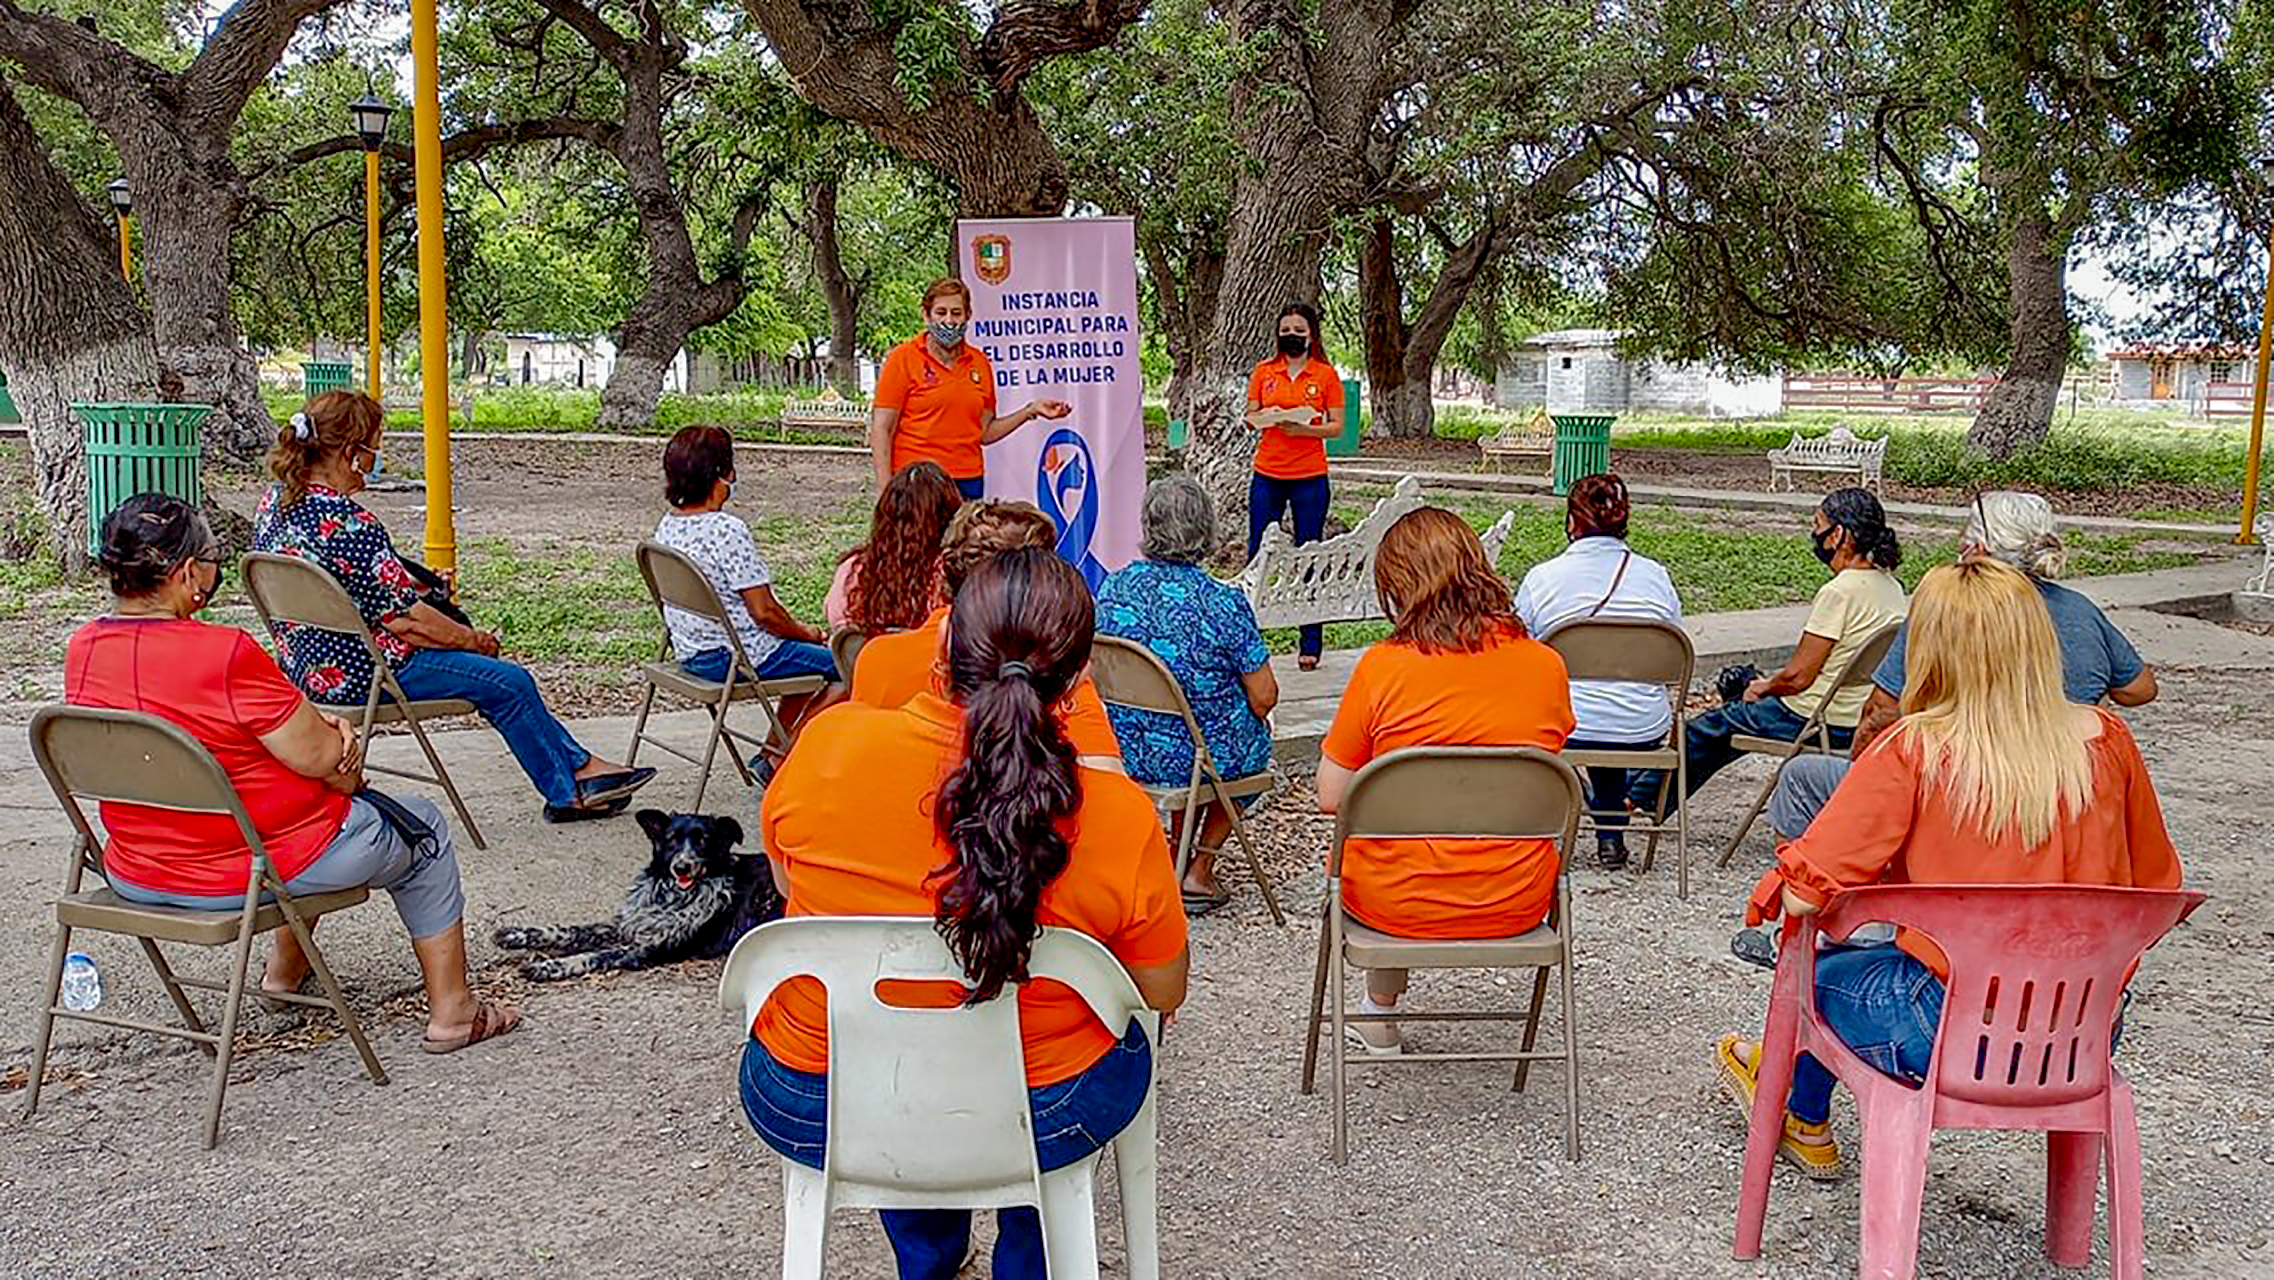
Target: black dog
694, 900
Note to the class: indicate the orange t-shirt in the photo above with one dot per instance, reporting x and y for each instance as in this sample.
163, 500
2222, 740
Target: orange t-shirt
897, 666
850, 821
1888, 823
940, 406
1511, 693
1318, 387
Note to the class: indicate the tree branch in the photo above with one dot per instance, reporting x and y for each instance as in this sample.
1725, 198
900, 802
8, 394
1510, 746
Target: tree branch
1026, 33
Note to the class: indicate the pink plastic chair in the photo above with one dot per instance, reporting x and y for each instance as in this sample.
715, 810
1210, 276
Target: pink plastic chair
2036, 973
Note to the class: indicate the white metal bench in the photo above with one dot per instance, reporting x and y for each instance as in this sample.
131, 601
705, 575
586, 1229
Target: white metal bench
461, 404
1839, 452
827, 410
1332, 580
2257, 586
1520, 438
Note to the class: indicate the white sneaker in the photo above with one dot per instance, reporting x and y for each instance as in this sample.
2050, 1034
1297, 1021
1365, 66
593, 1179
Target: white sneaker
1381, 1039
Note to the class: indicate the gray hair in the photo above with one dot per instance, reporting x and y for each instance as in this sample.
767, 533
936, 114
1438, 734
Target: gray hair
1180, 522
2018, 529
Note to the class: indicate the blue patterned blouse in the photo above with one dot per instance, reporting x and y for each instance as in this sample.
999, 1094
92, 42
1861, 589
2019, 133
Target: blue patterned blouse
1206, 634
335, 531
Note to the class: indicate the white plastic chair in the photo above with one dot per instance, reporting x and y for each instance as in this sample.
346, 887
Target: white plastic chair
928, 1108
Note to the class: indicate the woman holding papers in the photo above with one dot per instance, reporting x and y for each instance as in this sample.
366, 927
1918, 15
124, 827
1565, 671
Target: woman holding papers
1295, 398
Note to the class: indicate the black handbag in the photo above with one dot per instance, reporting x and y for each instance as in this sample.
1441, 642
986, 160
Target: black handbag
436, 592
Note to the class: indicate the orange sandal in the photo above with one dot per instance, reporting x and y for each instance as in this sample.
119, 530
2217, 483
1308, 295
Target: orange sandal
1806, 1147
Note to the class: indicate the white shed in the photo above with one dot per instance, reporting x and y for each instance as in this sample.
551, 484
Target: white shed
1582, 371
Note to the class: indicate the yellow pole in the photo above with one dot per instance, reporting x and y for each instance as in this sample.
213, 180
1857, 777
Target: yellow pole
125, 248
2248, 535
433, 311
371, 272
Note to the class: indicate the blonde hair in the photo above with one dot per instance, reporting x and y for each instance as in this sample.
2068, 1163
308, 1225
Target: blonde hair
330, 424
1982, 700
2018, 529
979, 531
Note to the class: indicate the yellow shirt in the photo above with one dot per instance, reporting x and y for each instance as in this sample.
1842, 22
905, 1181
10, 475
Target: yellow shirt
1849, 610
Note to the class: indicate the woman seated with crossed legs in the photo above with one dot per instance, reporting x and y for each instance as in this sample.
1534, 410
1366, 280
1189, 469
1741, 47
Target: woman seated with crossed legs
1992, 776
969, 808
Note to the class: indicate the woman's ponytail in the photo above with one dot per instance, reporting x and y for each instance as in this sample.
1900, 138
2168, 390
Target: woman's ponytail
329, 424
1018, 638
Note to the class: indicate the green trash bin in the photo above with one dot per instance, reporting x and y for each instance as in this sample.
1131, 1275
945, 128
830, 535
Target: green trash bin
1179, 429
1346, 444
1582, 446
7, 403
139, 448
320, 376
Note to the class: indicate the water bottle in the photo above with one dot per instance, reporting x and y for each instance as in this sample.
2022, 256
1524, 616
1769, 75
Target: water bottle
82, 982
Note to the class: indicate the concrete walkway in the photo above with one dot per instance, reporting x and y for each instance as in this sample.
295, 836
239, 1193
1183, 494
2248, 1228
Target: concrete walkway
1765, 636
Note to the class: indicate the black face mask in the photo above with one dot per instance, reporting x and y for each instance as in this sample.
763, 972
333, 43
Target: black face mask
1294, 344
1822, 542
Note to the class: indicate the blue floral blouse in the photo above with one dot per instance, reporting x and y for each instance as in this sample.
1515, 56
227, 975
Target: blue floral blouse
334, 530
1206, 634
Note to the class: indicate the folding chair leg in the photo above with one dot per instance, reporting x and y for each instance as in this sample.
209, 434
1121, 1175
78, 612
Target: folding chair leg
54, 990
442, 777
1760, 802
711, 751
1658, 822
226, 1047
1682, 852
1570, 1059
1255, 862
639, 728
174, 990
1188, 835
1318, 1008
1339, 980
331, 984
1532, 1026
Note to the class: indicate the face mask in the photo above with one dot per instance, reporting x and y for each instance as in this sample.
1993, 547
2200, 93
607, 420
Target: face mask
1294, 344
1822, 542
947, 335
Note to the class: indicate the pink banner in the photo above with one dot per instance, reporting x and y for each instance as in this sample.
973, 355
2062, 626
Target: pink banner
1054, 306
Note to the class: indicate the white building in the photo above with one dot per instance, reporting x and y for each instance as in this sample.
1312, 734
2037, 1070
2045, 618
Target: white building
567, 360
1582, 371
2201, 378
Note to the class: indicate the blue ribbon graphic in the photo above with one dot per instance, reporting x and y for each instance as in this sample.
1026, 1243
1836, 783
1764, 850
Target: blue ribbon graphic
1075, 532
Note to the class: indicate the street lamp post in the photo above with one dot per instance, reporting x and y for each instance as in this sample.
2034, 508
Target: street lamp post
370, 118
122, 199
2248, 534
433, 307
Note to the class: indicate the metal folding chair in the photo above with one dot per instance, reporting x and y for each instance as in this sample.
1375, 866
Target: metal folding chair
674, 582
1646, 652
845, 647
287, 592
1815, 735
1130, 675
125, 757
1517, 793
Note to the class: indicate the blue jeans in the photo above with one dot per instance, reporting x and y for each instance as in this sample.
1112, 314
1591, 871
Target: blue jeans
973, 489
1607, 785
790, 658
790, 1110
1267, 499
1706, 745
1883, 1004
507, 697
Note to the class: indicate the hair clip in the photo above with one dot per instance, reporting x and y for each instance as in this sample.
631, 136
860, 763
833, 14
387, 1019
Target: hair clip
300, 428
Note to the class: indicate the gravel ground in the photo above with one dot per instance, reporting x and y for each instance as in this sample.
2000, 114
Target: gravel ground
603, 1138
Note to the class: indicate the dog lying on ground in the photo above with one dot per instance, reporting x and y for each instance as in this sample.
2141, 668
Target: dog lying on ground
694, 900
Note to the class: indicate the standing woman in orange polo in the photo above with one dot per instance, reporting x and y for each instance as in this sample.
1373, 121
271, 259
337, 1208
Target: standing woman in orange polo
935, 398
1295, 398
968, 807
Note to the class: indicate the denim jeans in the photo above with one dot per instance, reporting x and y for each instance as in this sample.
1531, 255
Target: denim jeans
1883, 1004
972, 489
790, 1110
1267, 499
789, 658
1706, 745
507, 697
1607, 785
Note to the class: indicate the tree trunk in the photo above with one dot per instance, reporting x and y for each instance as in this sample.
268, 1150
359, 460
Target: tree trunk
470, 354
836, 286
1397, 410
185, 207
69, 328
2018, 411
1185, 306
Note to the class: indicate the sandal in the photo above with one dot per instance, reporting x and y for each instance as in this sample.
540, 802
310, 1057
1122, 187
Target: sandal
1806, 1147
1197, 905
1307, 662
490, 1022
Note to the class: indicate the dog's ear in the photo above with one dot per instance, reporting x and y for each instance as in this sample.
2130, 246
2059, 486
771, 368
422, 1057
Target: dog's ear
653, 821
725, 833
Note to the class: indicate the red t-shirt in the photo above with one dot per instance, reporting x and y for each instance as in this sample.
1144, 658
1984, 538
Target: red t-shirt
219, 684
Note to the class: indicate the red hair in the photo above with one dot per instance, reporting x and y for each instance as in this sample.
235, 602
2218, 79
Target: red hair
900, 563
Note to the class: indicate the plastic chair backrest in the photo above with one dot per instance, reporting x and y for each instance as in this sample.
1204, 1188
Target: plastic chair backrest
1643, 650
845, 649
298, 592
2036, 975
1516, 793
1130, 675
920, 1098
